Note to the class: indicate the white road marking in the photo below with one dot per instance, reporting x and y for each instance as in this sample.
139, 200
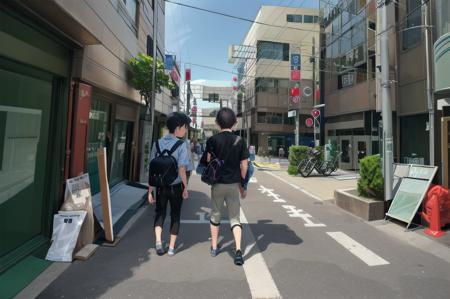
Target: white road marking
295, 186
202, 219
363, 253
270, 193
259, 279
299, 213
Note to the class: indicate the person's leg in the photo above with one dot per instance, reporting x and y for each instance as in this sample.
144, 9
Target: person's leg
217, 198
234, 209
160, 215
234, 212
176, 201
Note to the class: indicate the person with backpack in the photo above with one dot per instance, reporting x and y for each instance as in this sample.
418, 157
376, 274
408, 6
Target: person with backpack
168, 163
227, 158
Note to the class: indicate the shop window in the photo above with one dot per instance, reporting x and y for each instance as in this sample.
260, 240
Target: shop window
288, 120
128, 9
294, 18
442, 17
272, 50
308, 19
261, 118
275, 118
358, 34
266, 85
412, 33
131, 7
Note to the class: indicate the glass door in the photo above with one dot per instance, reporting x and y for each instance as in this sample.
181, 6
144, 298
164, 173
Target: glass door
346, 159
121, 151
25, 107
362, 148
98, 137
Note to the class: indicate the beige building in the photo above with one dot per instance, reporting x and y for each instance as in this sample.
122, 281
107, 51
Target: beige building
264, 63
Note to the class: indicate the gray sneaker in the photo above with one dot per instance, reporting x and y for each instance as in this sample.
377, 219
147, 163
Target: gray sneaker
171, 252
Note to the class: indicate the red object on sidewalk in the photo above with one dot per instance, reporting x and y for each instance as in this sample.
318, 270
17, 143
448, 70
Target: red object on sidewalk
436, 210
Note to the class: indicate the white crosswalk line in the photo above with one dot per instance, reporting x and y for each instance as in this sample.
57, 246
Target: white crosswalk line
363, 253
259, 279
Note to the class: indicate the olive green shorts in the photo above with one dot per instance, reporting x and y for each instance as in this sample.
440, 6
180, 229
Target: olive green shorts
228, 193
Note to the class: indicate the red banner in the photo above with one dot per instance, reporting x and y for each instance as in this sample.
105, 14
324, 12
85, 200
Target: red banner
188, 75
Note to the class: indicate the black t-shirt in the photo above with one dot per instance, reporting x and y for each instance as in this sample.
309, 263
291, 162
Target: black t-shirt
223, 144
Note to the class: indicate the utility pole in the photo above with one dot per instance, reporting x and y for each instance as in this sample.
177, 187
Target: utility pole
297, 126
386, 101
153, 99
425, 17
188, 97
313, 61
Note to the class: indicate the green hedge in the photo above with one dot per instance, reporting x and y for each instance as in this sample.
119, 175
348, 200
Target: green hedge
296, 154
370, 183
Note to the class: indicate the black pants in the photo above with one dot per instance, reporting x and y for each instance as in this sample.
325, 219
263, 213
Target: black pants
172, 194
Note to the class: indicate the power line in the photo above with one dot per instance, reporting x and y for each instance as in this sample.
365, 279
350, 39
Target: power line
238, 18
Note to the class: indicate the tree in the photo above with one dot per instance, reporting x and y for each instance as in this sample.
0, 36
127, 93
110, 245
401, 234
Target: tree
141, 76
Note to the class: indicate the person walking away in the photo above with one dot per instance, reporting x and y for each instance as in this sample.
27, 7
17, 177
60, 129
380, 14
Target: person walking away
168, 163
231, 149
280, 153
252, 152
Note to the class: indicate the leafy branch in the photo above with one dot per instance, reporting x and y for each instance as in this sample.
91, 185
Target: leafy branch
142, 74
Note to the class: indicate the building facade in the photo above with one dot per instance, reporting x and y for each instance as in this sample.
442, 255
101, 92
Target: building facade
64, 70
441, 65
264, 76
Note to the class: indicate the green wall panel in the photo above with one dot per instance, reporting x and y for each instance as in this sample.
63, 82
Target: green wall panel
442, 64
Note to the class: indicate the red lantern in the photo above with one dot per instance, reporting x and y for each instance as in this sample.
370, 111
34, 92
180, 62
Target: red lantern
235, 78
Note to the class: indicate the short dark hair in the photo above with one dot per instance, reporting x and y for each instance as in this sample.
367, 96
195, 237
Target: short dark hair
177, 119
226, 118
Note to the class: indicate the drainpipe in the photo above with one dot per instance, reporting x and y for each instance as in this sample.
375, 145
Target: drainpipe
428, 54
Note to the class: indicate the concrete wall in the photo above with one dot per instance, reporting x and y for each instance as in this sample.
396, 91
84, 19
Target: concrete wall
412, 97
107, 38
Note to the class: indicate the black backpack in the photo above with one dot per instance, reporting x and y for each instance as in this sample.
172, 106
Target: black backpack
164, 167
211, 174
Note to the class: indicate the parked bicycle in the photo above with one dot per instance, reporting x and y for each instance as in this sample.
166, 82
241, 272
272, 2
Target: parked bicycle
314, 161
330, 166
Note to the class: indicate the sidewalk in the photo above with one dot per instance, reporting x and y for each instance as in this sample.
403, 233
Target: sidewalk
322, 188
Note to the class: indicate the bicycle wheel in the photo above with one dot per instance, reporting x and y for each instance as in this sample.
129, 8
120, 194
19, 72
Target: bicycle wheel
301, 166
306, 168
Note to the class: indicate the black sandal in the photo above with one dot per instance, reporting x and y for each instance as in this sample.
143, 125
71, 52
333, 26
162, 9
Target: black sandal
238, 259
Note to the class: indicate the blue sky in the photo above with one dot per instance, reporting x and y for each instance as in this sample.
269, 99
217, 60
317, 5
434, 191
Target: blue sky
203, 38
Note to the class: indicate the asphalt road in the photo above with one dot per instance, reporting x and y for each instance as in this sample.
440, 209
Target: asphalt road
296, 246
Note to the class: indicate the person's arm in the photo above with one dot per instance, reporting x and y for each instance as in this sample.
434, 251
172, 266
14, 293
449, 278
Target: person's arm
182, 174
183, 162
208, 150
150, 197
244, 168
